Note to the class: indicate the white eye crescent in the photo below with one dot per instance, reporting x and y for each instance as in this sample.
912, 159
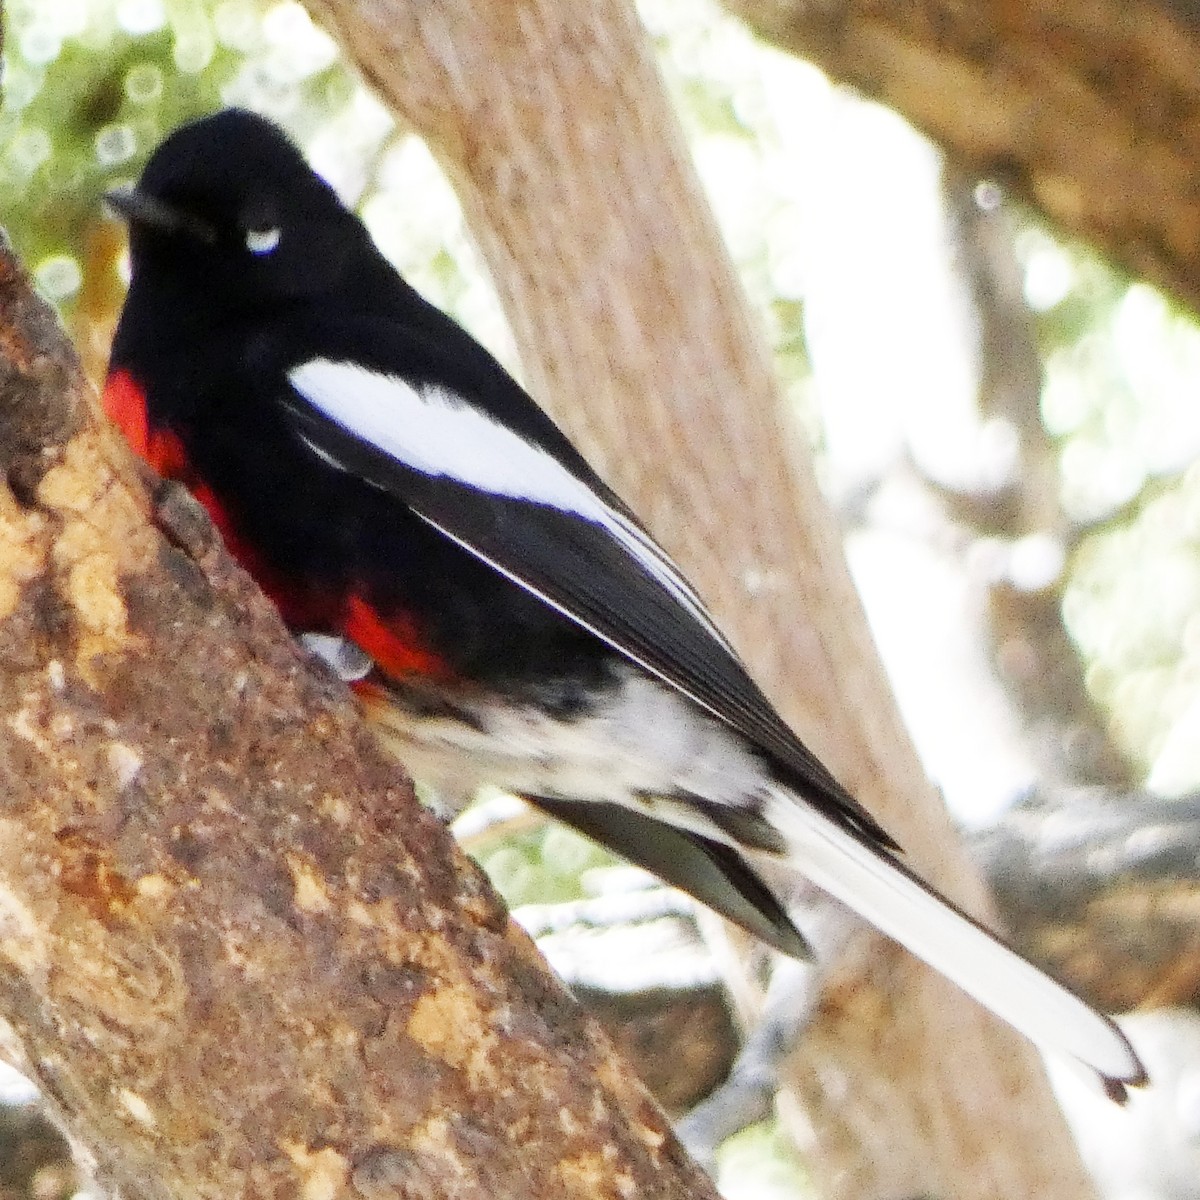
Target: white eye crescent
262, 241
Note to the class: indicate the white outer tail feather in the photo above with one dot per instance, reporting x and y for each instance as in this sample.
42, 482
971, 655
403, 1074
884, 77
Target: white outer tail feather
899, 905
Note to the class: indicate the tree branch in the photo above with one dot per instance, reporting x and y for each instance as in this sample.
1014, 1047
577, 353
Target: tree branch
240, 959
1088, 111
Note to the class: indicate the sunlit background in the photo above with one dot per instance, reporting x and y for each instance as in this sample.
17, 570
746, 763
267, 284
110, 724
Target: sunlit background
833, 210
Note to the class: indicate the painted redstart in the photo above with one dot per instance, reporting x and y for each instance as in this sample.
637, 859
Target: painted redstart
501, 614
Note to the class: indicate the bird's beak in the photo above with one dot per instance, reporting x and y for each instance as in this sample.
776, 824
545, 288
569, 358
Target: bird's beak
138, 208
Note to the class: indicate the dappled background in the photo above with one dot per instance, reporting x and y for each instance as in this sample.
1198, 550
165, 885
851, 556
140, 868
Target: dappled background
1006, 424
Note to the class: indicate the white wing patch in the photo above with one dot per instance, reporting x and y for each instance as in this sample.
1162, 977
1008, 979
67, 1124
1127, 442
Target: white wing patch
434, 431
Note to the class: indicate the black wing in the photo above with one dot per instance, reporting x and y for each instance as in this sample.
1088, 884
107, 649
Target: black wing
389, 405
711, 871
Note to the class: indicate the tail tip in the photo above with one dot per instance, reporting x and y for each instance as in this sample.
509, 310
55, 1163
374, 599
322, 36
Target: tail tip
1117, 1089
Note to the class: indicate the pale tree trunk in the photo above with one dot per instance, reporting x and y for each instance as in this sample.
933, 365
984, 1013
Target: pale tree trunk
236, 955
551, 120
1087, 109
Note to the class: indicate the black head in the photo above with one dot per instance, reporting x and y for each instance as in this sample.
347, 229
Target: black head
229, 211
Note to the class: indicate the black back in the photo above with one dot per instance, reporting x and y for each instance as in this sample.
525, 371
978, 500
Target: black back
510, 592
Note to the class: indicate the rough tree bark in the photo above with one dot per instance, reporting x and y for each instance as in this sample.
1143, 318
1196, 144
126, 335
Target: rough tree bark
236, 955
1088, 109
551, 120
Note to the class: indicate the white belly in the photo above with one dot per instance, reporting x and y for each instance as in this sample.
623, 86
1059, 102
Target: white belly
643, 746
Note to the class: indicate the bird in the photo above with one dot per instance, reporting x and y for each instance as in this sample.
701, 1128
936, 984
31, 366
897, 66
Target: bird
500, 614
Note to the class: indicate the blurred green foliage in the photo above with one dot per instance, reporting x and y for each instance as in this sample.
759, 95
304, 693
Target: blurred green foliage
546, 866
760, 1163
90, 87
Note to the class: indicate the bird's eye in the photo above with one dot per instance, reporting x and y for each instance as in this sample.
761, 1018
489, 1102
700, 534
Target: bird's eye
262, 241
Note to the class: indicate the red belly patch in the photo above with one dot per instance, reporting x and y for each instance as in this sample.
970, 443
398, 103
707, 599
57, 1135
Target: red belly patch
125, 403
393, 641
